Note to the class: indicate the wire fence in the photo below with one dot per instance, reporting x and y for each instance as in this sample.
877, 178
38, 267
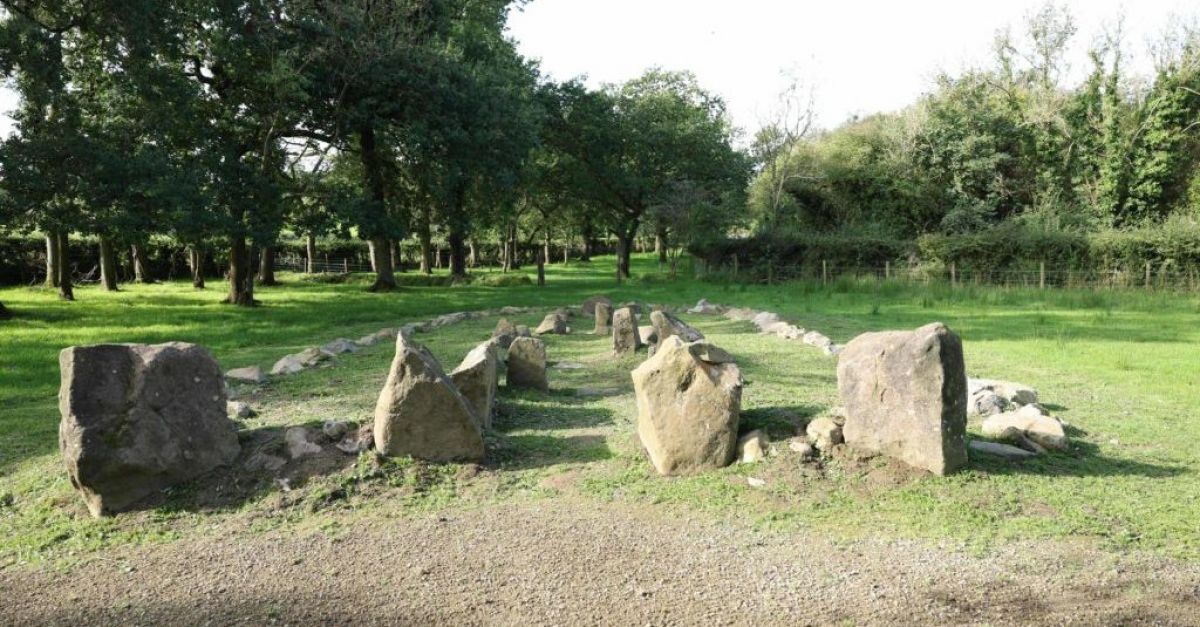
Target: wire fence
1165, 276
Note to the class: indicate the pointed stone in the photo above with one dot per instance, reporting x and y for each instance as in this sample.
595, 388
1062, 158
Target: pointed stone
421, 413
477, 377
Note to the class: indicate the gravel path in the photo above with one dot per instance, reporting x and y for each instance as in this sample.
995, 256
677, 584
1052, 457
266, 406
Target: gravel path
577, 562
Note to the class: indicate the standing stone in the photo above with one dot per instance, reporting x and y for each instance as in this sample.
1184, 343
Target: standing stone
646, 334
137, 419
527, 364
589, 305
626, 339
667, 325
477, 377
905, 394
603, 318
421, 413
505, 333
552, 324
688, 408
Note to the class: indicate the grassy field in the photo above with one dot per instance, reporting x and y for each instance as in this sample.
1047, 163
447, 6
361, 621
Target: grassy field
1120, 368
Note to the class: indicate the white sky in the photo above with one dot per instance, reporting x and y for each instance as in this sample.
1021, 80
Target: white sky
860, 56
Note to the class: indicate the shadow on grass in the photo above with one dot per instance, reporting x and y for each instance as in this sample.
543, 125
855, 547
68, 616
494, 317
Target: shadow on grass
524, 413
526, 451
779, 422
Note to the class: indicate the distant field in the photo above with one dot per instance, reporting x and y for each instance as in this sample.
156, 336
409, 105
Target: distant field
1122, 369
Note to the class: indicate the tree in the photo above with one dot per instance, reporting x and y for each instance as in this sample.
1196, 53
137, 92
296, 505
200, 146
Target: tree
634, 141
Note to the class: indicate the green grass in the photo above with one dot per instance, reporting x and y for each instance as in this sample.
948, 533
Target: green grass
1120, 368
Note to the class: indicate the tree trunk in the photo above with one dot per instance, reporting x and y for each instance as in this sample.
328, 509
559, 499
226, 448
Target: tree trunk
566, 252
196, 264
625, 243
53, 260
397, 256
660, 246
425, 238
458, 253
541, 270
65, 289
372, 254
108, 264
514, 262
472, 255
381, 254
310, 253
266, 266
241, 277
505, 255
140, 273
546, 247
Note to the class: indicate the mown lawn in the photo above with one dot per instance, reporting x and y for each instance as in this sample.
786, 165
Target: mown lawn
1120, 368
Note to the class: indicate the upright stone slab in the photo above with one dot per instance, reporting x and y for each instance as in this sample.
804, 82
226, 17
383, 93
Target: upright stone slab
589, 305
905, 394
477, 377
421, 413
667, 325
527, 364
603, 318
137, 419
626, 339
689, 399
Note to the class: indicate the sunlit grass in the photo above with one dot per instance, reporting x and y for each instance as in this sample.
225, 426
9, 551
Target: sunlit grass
1119, 367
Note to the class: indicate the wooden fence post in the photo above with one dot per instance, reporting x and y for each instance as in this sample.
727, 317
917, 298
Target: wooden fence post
1042, 275
735, 265
953, 274
887, 269
346, 265
1147, 274
824, 272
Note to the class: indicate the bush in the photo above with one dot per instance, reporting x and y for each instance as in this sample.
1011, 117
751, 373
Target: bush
503, 280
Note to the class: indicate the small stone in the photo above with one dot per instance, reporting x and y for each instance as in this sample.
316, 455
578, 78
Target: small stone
801, 446
1045, 430
755, 482
752, 447
298, 444
367, 340
288, 364
239, 409
340, 346
264, 461
704, 307
764, 319
568, 365
824, 433
334, 429
358, 441
249, 374
552, 324
999, 450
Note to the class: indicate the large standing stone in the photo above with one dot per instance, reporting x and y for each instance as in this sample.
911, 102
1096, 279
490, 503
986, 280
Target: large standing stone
477, 377
527, 364
603, 318
626, 339
137, 419
667, 325
421, 413
688, 408
589, 305
552, 324
905, 394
